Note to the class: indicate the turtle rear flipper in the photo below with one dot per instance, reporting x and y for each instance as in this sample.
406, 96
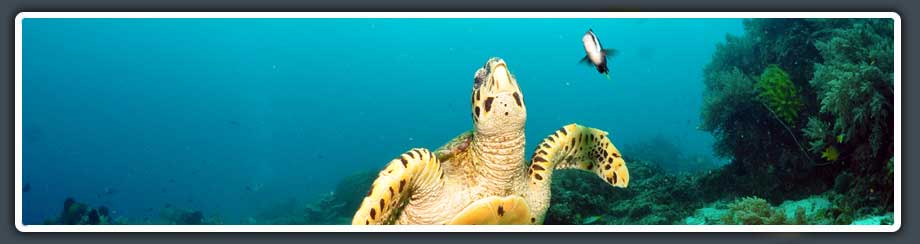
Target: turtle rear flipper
414, 172
495, 211
578, 147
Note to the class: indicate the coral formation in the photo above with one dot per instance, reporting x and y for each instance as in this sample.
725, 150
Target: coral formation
753, 211
330, 209
779, 94
654, 197
333, 208
814, 210
886, 219
818, 134
837, 73
855, 85
77, 213
182, 216
351, 190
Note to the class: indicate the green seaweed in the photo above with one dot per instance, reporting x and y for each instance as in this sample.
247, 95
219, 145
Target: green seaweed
779, 93
818, 133
855, 84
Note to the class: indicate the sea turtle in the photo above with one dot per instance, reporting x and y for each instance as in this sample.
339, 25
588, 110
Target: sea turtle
481, 177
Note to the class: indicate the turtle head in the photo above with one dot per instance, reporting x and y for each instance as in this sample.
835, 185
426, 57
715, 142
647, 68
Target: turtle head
497, 102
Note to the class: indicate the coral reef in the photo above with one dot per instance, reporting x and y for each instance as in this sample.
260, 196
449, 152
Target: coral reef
333, 208
351, 190
819, 135
77, 213
325, 209
886, 219
814, 210
182, 216
753, 211
289, 212
654, 197
837, 73
855, 85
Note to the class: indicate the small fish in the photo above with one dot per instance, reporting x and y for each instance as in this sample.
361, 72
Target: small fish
596, 55
830, 153
108, 191
27, 187
591, 219
254, 188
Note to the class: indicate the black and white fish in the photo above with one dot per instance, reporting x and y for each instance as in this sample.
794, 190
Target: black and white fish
596, 54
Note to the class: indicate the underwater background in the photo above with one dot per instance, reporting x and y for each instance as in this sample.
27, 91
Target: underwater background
287, 121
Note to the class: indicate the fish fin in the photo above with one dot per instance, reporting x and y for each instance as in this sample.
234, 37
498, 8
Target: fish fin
610, 52
585, 61
607, 75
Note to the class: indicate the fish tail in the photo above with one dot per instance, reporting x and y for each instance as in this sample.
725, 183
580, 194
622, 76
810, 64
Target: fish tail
607, 75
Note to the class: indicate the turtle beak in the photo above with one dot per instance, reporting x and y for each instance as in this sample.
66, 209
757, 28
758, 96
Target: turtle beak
500, 78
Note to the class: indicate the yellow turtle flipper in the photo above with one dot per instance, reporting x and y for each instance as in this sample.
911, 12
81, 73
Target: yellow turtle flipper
398, 181
495, 211
578, 147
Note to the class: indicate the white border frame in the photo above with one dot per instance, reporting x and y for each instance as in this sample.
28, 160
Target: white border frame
422, 228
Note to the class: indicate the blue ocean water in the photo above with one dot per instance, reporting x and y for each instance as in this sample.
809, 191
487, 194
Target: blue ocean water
232, 116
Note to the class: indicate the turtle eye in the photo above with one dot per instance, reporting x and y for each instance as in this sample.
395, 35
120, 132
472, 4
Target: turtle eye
479, 78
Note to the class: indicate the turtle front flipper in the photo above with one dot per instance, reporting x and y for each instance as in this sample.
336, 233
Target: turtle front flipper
415, 172
578, 147
572, 147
